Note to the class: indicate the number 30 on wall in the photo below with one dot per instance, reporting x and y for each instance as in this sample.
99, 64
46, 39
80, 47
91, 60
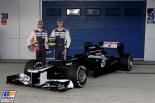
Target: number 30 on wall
4, 18
4, 15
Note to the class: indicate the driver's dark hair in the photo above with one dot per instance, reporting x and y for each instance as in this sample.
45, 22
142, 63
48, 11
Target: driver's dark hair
60, 20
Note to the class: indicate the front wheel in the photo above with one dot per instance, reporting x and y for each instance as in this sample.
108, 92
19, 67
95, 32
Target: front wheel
77, 73
30, 65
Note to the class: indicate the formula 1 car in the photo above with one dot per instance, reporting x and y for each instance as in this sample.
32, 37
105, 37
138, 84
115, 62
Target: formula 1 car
62, 75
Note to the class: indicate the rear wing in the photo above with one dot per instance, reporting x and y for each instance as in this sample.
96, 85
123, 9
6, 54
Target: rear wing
113, 45
91, 47
109, 44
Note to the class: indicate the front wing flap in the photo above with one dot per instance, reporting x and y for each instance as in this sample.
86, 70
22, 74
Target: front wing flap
53, 85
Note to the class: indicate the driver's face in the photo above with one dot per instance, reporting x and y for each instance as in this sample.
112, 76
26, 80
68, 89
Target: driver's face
40, 25
60, 24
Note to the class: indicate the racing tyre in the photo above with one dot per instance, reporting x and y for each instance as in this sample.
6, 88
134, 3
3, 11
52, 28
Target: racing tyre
29, 65
77, 73
126, 62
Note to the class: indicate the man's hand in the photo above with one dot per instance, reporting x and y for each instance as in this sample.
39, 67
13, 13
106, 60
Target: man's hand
65, 51
30, 48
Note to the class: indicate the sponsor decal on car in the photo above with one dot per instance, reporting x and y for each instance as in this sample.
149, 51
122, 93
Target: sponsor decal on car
107, 44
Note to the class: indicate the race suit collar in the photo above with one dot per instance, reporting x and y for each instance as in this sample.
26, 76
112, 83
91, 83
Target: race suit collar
60, 29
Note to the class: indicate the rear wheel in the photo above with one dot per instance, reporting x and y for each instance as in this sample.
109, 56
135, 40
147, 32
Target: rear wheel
77, 73
126, 62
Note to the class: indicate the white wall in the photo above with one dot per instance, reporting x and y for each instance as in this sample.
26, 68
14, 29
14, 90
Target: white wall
9, 34
23, 15
150, 36
29, 14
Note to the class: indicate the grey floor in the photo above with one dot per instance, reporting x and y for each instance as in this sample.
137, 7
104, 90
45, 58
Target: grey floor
137, 86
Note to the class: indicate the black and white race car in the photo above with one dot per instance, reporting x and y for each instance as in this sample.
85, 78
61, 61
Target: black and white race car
63, 75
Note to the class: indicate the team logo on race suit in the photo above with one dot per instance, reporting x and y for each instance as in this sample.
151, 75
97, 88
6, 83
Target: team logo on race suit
8, 96
60, 34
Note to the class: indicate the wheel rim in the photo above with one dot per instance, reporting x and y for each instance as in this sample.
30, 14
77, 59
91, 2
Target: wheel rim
82, 75
103, 63
130, 63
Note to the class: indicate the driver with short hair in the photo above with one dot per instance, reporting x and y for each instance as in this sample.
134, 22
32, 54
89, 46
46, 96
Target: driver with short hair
63, 40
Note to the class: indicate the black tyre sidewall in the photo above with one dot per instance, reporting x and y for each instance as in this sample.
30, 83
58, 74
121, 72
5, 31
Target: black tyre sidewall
73, 74
79, 69
124, 62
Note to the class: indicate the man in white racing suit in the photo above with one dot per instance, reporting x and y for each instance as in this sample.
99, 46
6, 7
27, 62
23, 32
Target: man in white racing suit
39, 37
63, 40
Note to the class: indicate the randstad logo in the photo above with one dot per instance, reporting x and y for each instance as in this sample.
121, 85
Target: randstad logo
8, 96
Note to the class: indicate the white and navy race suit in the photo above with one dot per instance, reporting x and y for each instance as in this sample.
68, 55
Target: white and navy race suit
39, 35
63, 41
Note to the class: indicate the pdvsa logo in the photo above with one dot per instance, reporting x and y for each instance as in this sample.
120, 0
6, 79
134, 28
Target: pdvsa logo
8, 96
